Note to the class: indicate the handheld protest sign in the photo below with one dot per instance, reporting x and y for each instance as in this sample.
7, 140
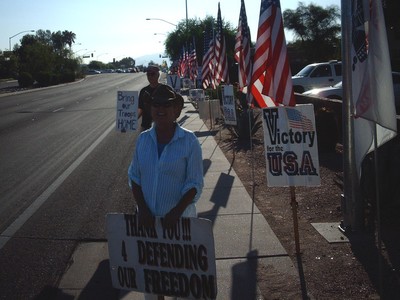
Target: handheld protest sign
177, 262
229, 105
127, 107
291, 148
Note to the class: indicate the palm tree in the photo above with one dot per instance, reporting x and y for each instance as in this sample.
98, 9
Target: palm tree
68, 38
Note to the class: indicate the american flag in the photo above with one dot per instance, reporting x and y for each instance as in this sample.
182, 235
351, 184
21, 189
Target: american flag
221, 61
242, 48
193, 62
298, 121
271, 80
207, 76
183, 63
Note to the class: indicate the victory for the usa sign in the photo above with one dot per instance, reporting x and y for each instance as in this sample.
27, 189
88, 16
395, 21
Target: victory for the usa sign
127, 106
174, 81
177, 262
291, 149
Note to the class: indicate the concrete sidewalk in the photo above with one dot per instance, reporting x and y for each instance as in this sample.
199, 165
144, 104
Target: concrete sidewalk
243, 238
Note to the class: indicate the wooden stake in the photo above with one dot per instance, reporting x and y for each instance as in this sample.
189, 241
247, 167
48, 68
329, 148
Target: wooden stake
294, 205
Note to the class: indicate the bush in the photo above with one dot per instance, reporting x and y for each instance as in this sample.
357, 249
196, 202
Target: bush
44, 78
248, 123
25, 79
55, 79
68, 76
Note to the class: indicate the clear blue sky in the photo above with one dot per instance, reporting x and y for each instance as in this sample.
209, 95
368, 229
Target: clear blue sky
118, 28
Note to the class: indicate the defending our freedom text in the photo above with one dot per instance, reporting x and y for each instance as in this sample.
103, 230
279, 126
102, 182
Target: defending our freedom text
163, 261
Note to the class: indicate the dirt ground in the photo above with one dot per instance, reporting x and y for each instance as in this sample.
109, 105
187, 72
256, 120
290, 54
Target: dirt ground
346, 270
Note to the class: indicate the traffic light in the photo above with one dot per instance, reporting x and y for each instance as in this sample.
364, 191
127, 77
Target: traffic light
92, 54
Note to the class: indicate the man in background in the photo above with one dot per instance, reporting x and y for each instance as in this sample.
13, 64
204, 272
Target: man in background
144, 106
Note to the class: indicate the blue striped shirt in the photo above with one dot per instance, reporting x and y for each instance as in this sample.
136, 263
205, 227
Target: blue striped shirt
165, 179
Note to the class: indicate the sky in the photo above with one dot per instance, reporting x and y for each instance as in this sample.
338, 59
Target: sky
118, 28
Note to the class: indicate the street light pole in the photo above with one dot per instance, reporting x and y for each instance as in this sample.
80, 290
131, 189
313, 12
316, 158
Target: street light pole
186, 14
162, 21
79, 51
9, 39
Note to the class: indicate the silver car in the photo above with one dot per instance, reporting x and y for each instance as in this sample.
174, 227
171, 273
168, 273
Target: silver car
336, 91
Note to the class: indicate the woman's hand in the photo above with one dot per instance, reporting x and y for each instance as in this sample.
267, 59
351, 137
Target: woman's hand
172, 217
146, 218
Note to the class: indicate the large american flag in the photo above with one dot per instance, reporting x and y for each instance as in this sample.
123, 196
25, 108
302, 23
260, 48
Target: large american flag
221, 61
207, 69
271, 80
242, 48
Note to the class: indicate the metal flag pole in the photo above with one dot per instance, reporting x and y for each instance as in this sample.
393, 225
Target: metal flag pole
378, 211
350, 178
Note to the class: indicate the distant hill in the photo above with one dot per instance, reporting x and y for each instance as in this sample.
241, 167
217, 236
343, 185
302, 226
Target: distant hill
144, 60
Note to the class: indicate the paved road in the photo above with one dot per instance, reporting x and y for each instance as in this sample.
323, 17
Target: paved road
62, 167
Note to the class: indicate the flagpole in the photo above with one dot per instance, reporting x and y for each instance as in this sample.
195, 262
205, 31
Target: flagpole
378, 211
350, 178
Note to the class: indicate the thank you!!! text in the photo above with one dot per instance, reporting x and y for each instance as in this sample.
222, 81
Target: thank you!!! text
176, 262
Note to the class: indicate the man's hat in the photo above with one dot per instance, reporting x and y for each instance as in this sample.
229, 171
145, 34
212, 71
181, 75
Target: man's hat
163, 93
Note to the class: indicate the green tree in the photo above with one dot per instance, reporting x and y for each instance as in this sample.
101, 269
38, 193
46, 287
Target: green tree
68, 38
127, 62
35, 57
316, 31
96, 65
184, 36
47, 57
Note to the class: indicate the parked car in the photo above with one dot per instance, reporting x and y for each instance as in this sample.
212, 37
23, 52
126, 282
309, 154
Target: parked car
92, 72
330, 92
336, 91
317, 75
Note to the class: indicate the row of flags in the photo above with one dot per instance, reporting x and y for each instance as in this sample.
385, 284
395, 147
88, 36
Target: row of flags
187, 65
266, 76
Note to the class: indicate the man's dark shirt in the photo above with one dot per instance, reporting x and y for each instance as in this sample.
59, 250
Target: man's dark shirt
145, 105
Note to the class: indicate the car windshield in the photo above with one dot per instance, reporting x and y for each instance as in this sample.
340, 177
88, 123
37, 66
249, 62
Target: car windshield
305, 71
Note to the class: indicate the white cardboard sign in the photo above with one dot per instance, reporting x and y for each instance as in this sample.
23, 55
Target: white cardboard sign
174, 81
178, 262
127, 107
229, 105
291, 148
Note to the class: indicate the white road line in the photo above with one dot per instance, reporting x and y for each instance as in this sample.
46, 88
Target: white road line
7, 234
58, 109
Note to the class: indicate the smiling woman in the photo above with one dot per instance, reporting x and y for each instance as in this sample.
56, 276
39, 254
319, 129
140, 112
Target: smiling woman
166, 173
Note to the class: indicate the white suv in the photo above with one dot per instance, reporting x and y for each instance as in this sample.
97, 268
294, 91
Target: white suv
317, 75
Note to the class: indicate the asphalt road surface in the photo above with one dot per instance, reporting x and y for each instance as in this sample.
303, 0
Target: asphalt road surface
63, 166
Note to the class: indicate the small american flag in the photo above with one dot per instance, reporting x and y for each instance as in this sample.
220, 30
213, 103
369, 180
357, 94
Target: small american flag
271, 80
298, 121
193, 62
242, 48
221, 61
